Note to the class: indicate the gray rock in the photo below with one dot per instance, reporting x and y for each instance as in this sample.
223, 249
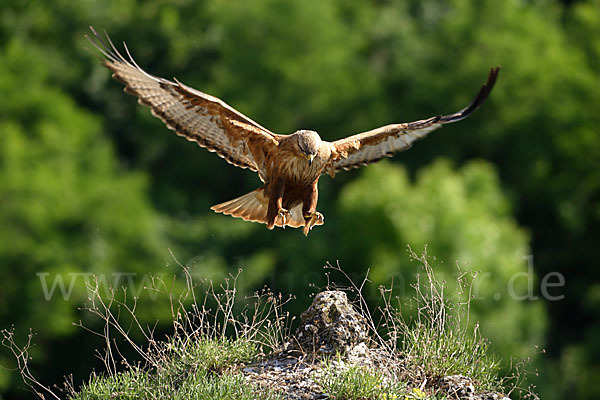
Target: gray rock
330, 325
457, 386
462, 387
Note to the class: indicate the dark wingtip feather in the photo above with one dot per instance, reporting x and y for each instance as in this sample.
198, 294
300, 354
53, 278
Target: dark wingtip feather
109, 50
479, 99
100, 45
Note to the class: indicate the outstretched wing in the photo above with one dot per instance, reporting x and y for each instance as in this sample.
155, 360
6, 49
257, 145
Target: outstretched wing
197, 116
367, 147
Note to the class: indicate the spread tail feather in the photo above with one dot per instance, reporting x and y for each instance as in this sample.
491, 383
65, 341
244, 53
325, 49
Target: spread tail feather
253, 207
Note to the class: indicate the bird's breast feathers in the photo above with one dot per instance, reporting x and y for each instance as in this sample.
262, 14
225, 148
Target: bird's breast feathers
295, 169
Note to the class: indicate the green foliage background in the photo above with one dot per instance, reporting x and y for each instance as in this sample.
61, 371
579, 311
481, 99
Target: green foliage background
90, 182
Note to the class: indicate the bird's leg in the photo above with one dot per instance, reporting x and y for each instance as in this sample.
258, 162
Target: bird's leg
275, 209
309, 208
282, 213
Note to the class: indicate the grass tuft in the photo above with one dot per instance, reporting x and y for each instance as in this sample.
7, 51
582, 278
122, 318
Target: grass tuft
438, 340
351, 383
201, 385
356, 382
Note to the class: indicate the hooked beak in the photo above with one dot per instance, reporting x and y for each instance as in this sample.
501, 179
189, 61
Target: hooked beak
310, 158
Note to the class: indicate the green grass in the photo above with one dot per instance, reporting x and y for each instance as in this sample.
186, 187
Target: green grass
200, 369
452, 352
356, 382
438, 340
138, 385
351, 383
203, 354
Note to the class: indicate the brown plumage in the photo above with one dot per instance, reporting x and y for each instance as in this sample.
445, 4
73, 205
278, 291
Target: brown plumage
288, 165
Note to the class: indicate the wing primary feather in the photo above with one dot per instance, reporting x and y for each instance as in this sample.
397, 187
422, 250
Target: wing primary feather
129, 55
99, 44
132, 61
118, 56
477, 101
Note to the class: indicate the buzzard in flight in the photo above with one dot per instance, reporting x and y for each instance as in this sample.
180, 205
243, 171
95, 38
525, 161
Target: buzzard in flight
288, 165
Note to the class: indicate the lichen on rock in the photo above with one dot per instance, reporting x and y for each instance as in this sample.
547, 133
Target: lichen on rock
330, 325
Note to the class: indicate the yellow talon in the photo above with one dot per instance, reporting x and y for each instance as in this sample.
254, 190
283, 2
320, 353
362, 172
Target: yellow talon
311, 220
283, 213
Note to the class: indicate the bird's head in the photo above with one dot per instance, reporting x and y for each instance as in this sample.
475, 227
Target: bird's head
309, 143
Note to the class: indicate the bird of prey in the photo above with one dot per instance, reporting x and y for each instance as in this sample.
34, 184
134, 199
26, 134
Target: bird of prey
288, 165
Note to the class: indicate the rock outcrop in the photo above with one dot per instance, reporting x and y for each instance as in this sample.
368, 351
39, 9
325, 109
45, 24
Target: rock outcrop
331, 328
330, 325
